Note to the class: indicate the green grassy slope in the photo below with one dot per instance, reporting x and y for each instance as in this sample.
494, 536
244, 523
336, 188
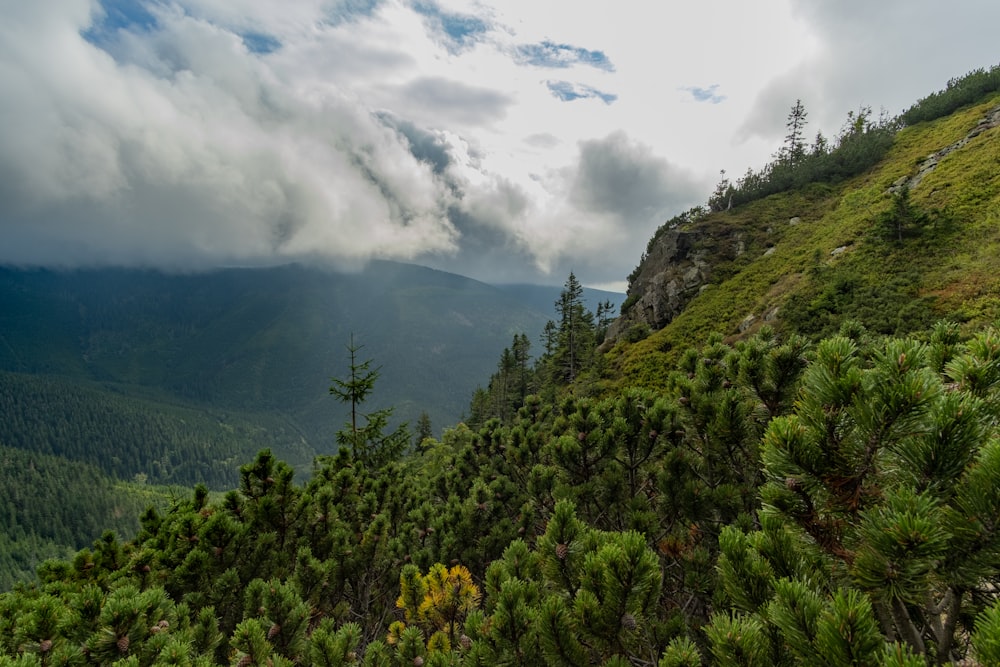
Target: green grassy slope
836, 264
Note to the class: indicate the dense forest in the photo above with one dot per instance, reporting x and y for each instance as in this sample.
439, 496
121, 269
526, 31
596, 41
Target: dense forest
126, 436
790, 495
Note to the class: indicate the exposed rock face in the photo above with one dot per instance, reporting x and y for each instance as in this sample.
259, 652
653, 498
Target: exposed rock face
669, 277
930, 163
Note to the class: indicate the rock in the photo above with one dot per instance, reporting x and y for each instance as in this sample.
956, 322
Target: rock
769, 251
837, 251
672, 273
795, 221
747, 322
990, 121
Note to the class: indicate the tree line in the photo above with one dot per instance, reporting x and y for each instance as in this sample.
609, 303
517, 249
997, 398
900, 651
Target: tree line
568, 356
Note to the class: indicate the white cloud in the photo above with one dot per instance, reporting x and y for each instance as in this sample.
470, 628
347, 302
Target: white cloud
504, 139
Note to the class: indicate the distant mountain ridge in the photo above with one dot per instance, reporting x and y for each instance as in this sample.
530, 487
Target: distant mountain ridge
264, 340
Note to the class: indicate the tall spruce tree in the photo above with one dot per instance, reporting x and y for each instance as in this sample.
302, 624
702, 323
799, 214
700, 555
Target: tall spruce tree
368, 442
575, 332
794, 149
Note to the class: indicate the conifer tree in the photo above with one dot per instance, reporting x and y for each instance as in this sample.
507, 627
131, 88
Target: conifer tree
368, 442
873, 542
575, 332
794, 149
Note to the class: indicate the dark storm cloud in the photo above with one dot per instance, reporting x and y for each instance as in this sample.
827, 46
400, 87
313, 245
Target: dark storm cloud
425, 145
621, 177
489, 220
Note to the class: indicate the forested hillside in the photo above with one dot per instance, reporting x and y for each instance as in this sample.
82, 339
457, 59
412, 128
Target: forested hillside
802, 467
261, 340
50, 503
178, 379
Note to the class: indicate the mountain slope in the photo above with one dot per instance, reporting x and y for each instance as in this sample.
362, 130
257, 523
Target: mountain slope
809, 259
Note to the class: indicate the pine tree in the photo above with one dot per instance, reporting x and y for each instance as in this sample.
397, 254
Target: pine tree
794, 149
424, 430
575, 333
902, 218
367, 442
872, 540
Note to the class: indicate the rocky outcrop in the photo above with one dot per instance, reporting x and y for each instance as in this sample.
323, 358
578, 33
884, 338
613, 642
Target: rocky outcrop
670, 275
930, 163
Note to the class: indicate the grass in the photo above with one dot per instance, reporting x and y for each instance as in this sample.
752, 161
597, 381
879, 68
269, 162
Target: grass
950, 269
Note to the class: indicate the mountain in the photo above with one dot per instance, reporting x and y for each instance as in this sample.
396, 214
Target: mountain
726, 484
241, 358
909, 241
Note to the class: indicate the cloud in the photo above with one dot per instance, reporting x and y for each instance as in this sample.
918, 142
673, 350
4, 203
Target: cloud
447, 101
425, 145
197, 132
619, 176
894, 49
567, 92
709, 94
201, 158
558, 56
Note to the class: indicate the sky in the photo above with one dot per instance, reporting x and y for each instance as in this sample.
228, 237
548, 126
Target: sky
508, 141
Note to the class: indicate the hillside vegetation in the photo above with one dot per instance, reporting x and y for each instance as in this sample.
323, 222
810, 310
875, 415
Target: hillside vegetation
815, 257
818, 484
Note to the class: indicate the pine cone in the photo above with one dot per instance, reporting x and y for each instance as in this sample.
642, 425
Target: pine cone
465, 641
418, 662
273, 631
122, 644
45, 645
245, 661
628, 621
561, 551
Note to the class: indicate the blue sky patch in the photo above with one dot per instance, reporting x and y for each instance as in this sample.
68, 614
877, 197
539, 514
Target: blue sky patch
257, 42
709, 94
567, 92
348, 10
550, 54
131, 15
459, 29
